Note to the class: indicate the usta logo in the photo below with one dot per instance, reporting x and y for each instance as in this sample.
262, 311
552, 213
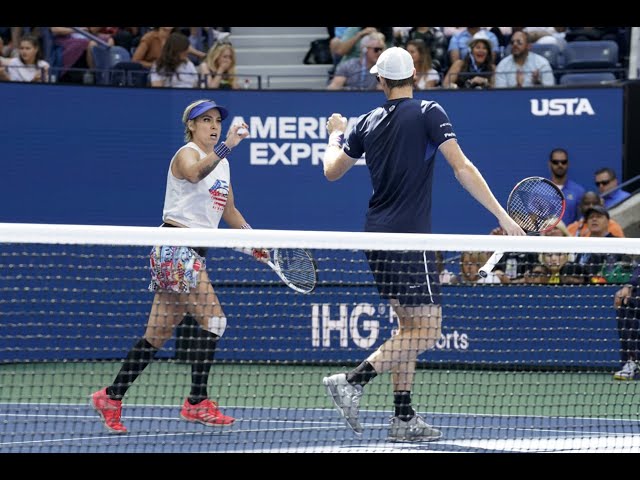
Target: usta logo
561, 106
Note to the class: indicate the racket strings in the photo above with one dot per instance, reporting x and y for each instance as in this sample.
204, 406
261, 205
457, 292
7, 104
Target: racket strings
535, 205
298, 267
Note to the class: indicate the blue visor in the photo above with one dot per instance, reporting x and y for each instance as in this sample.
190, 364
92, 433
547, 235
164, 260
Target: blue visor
205, 107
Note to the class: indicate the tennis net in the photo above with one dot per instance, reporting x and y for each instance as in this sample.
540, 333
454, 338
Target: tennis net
525, 361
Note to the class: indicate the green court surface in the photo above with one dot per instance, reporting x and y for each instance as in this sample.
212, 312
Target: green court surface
469, 392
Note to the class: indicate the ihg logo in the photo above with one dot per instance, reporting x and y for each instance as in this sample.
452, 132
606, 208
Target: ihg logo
561, 106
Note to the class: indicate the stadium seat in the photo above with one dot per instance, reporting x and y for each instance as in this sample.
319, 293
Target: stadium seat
119, 54
51, 52
105, 59
129, 74
594, 54
587, 78
549, 51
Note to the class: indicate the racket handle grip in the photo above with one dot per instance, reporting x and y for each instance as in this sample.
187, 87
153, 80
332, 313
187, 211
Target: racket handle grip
487, 267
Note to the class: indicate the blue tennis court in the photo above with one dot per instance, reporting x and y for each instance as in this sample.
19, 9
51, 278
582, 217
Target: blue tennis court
75, 428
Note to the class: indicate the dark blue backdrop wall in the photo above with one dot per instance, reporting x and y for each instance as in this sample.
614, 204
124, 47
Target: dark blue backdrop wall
99, 155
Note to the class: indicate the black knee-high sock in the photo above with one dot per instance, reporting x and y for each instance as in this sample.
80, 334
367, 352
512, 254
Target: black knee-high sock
402, 404
136, 361
362, 374
204, 347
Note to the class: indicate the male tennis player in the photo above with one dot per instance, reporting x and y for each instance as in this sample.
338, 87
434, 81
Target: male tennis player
198, 195
400, 140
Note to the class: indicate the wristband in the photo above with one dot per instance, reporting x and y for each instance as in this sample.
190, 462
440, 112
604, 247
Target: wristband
246, 226
336, 139
221, 150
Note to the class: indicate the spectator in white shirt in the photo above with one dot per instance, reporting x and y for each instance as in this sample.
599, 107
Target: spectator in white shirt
523, 68
173, 68
28, 66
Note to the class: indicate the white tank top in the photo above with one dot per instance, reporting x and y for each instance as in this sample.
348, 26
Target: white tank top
197, 205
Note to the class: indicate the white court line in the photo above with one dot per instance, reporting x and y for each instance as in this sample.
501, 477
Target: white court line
110, 436
581, 444
156, 435
611, 442
372, 447
565, 445
321, 422
623, 443
521, 415
175, 418
337, 422
594, 444
175, 405
590, 444
327, 409
322, 409
325, 423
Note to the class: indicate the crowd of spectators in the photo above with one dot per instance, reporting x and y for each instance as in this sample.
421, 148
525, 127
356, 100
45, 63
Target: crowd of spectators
68, 54
483, 57
444, 57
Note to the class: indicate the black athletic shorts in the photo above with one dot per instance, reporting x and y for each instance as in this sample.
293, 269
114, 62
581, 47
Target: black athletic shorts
411, 277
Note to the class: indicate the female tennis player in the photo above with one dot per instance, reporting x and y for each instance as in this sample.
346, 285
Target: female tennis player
198, 195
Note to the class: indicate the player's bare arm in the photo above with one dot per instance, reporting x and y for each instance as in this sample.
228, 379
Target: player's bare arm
336, 162
189, 166
231, 214
472, 180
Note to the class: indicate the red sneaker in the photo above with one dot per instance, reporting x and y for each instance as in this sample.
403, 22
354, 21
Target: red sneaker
205, 412
109, 410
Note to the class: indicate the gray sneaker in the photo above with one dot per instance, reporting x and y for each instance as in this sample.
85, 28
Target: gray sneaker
346, 398
415, 430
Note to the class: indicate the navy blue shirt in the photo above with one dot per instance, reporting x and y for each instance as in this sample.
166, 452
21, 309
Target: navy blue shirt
400, 140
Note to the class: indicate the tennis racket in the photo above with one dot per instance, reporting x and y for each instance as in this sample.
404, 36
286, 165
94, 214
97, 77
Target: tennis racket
295, 267
537, 205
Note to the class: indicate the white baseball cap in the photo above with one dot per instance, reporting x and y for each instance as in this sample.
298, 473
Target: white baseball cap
481, 36
394, 63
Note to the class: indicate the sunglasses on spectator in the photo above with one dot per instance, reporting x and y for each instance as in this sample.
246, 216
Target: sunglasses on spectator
376, 49
603, 182
559, 162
